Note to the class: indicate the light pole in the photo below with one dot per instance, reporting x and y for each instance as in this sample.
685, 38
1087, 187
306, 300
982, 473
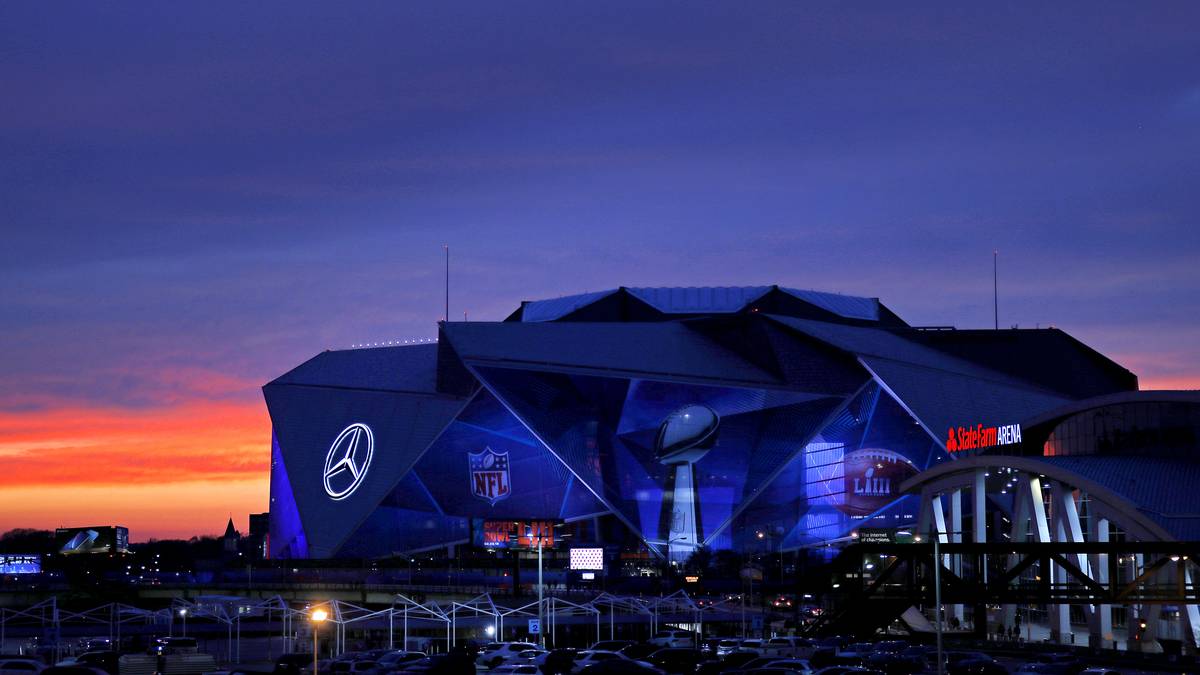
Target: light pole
937, 598
541, 640
183, 615
543, 531
318, 615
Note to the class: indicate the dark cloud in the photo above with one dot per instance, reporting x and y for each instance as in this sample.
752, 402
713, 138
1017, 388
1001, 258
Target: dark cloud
214, 192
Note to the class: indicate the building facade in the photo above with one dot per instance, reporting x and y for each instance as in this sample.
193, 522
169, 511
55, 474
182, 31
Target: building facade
660, 419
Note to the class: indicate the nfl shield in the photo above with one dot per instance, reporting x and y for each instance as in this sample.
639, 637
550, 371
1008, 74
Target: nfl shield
489, 475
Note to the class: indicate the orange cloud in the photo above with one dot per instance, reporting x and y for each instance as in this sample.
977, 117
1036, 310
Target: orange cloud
173, 471
177, 510
196, 441
1169, 382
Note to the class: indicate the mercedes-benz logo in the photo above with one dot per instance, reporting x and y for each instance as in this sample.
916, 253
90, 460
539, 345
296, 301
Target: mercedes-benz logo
348, 460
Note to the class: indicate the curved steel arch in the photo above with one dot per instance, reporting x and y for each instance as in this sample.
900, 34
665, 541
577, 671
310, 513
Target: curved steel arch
944, 486
1118, 508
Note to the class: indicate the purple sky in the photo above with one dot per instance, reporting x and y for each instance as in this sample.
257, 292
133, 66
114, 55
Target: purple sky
195, 198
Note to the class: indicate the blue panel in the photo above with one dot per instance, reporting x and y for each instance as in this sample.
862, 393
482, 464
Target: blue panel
849, 306
405, 368
287, 533
390, 531
699, 300
607, 430
847, 477
310, 421
556, 308
523, 480
666, 348
944, 399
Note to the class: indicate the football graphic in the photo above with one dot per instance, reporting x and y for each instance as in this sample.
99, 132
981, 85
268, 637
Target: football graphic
872, 479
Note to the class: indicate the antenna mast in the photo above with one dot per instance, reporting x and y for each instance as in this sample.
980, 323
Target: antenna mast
995, 289
446, 316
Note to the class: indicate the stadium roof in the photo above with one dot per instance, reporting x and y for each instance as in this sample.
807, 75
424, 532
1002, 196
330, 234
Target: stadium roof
757, 336
658, 349
407, 368
639, 303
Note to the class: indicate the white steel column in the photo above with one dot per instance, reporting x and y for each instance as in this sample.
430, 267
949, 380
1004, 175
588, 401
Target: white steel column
939, 519
979, 510
939, 537
1060, 627
1101, 624
1022, 505
1041, 528
979, 516
956, 536
1191, 613
1066, 516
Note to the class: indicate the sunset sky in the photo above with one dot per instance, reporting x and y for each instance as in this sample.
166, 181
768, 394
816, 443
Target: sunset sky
196, 197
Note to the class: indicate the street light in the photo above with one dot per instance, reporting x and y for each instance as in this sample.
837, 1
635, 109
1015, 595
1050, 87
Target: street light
183, 614
317, 616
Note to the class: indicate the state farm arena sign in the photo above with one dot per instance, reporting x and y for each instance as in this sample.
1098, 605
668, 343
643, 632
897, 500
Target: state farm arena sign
979, 436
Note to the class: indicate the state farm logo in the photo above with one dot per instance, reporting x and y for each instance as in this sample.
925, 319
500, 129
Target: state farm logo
347, 461
979, 436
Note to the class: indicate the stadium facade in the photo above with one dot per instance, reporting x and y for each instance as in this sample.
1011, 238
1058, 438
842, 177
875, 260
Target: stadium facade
660, 419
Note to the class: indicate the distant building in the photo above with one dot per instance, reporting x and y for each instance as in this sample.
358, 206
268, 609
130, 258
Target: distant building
232, 538
257, 542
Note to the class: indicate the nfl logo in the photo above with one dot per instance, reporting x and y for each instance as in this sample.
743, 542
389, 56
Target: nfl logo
489, 475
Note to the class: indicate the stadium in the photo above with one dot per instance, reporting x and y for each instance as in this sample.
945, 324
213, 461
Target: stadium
661, 420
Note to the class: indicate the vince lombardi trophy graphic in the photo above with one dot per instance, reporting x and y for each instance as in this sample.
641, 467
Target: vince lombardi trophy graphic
684, 437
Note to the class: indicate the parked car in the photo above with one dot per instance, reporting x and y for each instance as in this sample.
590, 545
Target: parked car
611, 645
677, 659
517, 668
620, 668
798, 665
589, 657
730, 662
725, 647
907, 661
757, 662
495, 653
73, 670
393, 660
847, 670
291, 664
166, 646
557, 661
1063, 668
674, 638
525, 656
640, 651
788, 647
454, 663
20, 666
973, 663
106, 660
345, 667
754, 645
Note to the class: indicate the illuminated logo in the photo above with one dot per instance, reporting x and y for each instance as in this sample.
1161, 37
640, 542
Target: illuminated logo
872, 479
489, 475
348, 460
972, 438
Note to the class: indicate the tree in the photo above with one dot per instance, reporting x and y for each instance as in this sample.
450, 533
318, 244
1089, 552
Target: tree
27, 540
700, 559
